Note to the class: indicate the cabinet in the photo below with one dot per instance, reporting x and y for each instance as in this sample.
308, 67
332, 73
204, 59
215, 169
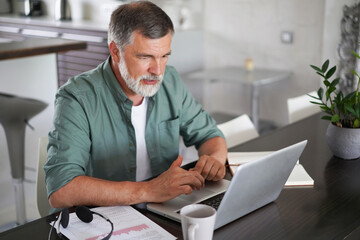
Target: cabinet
69, 63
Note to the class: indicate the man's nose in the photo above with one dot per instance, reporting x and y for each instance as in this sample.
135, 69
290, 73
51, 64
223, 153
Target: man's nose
155, 67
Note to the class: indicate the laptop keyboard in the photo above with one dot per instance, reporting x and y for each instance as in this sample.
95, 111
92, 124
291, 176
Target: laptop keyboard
214, 201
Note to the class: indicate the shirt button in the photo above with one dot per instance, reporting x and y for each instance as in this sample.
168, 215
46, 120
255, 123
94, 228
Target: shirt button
131, 144
132, 170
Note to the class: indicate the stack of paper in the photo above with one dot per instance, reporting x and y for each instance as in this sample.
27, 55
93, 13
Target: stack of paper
298, 177
128, 224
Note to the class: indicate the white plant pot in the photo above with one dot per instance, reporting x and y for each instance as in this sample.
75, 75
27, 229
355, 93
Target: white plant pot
343, 142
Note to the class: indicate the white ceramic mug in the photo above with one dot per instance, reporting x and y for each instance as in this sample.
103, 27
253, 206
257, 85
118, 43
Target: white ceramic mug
197, 221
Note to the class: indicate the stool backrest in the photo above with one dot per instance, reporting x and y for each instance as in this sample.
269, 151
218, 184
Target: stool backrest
300, 107
238, 130
41, 193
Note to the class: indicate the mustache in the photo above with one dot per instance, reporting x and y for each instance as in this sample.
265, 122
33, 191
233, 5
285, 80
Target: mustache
151, 77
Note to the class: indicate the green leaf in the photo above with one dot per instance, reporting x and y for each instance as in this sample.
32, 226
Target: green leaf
325, 66
350, 109
353, 71
313, 97
333, 106
317, 103
358, 111
321, 74
335, 118
356, 123
315, 68
326, 109
335, 82
326, 118
330, 72
327, 94
320, 93
340, 95
327, 83
353, 52
331, 89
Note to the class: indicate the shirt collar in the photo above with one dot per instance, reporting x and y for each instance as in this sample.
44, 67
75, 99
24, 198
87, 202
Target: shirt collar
112, 82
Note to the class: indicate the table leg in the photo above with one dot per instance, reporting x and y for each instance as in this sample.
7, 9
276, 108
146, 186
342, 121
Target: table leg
255, 106
19, 201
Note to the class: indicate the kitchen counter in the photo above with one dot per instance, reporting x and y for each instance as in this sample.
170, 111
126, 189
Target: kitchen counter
71, 63
14, 28
32, 47
51, 22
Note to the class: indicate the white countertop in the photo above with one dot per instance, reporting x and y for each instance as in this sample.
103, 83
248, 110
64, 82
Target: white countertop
51, 22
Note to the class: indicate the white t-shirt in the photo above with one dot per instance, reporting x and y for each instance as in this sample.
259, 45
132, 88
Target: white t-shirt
138, 119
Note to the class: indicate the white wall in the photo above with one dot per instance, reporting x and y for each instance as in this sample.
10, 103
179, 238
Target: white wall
239, 29
251, 29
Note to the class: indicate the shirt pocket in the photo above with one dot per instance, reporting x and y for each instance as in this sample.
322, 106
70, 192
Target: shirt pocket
169, 132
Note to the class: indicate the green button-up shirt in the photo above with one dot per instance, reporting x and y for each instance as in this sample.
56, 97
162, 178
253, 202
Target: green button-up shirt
93, 134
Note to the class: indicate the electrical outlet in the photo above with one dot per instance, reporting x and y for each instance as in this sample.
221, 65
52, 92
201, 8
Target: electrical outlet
287, 37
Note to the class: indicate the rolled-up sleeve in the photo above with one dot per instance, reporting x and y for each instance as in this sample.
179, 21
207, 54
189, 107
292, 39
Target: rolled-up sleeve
69, 142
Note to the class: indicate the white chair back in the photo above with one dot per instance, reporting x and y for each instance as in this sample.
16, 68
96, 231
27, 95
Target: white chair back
300, 107
238, 130
41, 193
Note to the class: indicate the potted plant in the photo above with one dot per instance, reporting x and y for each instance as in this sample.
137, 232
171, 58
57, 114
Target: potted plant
343, 112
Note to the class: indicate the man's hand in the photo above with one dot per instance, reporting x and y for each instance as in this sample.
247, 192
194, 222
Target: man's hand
173, 182
210, 168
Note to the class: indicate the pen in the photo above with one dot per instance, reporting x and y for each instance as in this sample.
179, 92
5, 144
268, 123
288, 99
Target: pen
232, 165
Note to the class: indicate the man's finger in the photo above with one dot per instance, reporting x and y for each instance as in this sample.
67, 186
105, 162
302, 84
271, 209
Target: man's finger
194, 179
215, 170
200, 178
200, 165
206, 172
220, 174
177, 162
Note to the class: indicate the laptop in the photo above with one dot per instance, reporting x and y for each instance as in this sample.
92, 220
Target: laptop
254, 185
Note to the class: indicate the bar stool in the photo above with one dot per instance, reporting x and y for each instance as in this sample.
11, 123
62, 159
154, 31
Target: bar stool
14, 115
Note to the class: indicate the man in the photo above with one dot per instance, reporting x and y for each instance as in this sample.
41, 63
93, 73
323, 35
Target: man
119, 124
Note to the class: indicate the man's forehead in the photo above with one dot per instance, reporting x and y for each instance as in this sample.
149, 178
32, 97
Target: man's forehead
140, 43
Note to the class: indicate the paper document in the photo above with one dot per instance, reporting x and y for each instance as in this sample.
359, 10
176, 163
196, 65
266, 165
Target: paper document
128, 224
298, 177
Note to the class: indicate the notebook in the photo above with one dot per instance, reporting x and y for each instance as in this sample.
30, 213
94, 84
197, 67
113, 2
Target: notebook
253, 185
298, 176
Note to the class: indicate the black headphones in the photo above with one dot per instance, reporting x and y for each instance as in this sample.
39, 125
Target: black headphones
84, 214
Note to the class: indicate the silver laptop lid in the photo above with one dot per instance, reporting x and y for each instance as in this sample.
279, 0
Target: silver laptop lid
257, 183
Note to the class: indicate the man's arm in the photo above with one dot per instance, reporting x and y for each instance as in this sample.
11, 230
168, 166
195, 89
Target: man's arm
89, 191
211, 164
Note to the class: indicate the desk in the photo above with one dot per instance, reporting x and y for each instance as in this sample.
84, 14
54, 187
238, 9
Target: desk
329, 210
238, 75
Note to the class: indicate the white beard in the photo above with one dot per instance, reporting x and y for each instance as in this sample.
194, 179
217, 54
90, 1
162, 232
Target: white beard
135, 85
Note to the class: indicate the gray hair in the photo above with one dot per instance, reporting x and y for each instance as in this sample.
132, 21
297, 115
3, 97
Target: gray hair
143, 16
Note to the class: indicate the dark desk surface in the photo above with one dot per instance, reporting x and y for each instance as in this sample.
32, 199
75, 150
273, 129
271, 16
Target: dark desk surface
329, 210
32, 47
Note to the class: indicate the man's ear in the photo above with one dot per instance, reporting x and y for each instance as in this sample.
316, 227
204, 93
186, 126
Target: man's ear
114, 52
